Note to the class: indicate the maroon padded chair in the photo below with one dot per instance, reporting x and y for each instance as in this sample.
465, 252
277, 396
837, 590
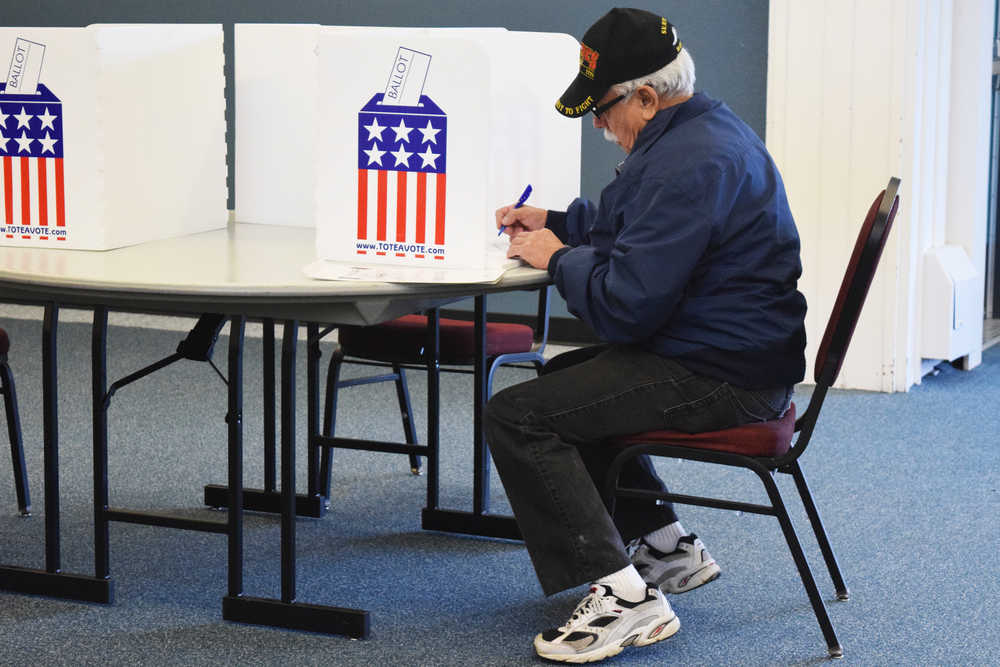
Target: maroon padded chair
400, 345
13, 427
770, 447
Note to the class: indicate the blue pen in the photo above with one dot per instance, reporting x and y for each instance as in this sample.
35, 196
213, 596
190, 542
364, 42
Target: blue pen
520, 202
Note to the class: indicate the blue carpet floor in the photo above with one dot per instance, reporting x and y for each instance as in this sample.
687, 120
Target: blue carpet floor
908, 485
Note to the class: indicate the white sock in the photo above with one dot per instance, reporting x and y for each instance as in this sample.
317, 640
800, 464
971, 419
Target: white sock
626, 583
665, 539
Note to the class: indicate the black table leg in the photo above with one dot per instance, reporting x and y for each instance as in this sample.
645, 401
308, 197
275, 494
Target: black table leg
270, 474
50, 436
52, 581
286, 612
289, 342
99, 386
268, 499
433, 356
479, 521
480, 456
234, 424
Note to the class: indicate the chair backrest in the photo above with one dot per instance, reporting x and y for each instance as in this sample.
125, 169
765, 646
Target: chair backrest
857, 280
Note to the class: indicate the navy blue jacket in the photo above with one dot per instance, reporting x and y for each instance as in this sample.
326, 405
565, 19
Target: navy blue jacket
692, 251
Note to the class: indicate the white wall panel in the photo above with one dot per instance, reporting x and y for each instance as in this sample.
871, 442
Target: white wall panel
968, 176
836, 150
858, 92
908, 61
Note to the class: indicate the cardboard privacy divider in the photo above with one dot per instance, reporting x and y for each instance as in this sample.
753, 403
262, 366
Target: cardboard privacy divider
276, 123
403, 191
122, 141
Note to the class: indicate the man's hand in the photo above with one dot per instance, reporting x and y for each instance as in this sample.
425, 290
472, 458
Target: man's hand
536, 248
518, 220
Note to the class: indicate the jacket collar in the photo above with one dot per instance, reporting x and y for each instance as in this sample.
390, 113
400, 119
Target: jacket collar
668, 118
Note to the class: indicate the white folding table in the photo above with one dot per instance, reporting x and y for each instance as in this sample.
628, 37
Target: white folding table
243, 271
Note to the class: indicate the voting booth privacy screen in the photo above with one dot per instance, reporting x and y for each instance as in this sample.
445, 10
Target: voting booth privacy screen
419, 135
276, 123
111, 135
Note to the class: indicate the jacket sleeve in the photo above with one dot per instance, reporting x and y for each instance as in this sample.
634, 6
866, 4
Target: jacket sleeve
627, 294
573, 226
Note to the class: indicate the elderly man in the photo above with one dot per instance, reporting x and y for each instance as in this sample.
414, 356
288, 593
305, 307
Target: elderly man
687, 268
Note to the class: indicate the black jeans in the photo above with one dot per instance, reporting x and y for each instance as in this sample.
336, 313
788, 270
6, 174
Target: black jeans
546, 437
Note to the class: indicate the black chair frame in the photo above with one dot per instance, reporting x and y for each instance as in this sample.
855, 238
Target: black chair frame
14, 433
765, 468
411, 446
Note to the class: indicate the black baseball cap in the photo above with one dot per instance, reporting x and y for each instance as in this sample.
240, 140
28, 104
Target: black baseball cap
623, 45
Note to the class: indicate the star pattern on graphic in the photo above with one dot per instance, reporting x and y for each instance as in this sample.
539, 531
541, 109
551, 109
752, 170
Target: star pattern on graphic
430, 133
374, 155
412, 136
3, 118
402, 132
402, 157
429, 158
23, 143
47, 119
23, 119
374, 130
48, 143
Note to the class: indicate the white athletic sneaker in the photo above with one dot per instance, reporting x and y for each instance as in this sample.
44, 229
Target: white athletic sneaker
685, 568
604, 624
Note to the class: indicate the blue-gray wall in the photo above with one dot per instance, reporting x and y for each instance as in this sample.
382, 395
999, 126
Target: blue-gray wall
727, 38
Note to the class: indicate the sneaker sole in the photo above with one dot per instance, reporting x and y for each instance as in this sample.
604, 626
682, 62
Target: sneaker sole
663, 629
700, 578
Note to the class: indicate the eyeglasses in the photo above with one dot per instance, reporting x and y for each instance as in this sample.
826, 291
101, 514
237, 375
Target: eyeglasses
599, 110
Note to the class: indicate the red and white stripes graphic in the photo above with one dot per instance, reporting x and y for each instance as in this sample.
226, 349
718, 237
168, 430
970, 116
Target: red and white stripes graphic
405, 210
33, 197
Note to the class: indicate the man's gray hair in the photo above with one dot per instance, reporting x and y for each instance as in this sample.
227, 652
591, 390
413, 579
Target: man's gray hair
676, 78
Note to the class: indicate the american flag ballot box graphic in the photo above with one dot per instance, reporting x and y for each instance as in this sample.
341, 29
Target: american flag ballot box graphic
32, 187
402, 180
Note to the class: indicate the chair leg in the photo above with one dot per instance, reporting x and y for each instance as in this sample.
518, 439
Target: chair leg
536, 359
492, 365
820, 531
329, 420
406, 413
16, 444
833, 645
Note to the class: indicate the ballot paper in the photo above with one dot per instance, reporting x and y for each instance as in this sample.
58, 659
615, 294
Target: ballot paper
334, 270
406, 78
496, 263
25, 68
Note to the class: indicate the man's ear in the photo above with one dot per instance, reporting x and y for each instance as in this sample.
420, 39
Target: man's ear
649, 101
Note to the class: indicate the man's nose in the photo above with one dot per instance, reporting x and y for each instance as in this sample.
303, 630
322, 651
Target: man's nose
598, 122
